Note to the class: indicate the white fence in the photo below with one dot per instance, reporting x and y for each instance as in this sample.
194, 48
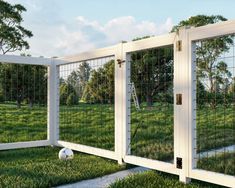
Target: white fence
185, 136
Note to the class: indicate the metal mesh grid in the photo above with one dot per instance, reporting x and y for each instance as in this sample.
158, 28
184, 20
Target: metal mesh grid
152, 112
23, 103
87, 103
215, 112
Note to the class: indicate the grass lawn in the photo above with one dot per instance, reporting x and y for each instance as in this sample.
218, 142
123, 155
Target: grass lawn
88, 124
40, 167
153, 179
93, 125
223, 163
22, 124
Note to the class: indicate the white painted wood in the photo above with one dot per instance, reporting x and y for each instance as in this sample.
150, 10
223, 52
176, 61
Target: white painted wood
181, 86
118, 104
14, 59
152, 164
88, 149
53, 104
212, 30
30, 144
95, 54
152, 42
212, 177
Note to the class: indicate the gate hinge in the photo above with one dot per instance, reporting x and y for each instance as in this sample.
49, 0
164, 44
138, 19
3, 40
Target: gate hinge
179, 163
179, 99
179, 45
120, 62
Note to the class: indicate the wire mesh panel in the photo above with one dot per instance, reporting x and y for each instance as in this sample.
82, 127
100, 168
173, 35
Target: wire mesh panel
215, 112
152, 112
23, 103
87, 103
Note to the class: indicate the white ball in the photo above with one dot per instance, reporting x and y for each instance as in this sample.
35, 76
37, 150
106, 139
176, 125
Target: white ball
66, 154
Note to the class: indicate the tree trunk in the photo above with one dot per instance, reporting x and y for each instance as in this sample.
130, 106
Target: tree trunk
18, 103
30, 103
149, 99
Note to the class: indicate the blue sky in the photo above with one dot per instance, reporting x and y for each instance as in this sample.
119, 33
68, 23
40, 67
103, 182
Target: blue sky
63, 27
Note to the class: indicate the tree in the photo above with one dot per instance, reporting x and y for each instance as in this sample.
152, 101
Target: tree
12, 38
23, 82
12, 34
151, 72
68, 94
100, 87
79, 78
211, 72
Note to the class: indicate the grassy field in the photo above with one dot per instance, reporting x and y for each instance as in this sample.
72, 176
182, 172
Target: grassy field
215, 127
222, 163
88, 124
93, 125
153, 179
22, 124
41, 168
152, 132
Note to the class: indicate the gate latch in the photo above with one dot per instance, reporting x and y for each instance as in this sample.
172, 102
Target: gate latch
120, 62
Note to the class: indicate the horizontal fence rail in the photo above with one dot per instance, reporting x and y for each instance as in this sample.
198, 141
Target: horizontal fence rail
165, 102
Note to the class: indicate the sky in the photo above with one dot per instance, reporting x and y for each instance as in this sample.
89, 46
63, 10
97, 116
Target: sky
65, 27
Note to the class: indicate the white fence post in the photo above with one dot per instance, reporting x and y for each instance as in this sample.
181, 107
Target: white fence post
181, 87
118, 103
53, 103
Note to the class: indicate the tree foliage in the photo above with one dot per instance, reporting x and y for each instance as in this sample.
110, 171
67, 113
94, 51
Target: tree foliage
17, 82
12, 34
212, 72
23, 83
100, 88
79, 78
68, 95
151, 72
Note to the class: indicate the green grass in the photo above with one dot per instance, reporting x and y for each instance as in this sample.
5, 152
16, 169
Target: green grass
222, 163
153, 179
88, 124
215, 127
41, 168
93, 125
152, 131
22, 124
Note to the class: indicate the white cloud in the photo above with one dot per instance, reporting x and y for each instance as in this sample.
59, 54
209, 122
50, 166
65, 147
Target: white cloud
82, 34
125, 28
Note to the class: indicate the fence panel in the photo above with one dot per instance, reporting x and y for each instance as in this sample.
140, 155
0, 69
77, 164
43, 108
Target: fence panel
87, 103
152, 104
149, 103
23, 103
212, 132
215, 120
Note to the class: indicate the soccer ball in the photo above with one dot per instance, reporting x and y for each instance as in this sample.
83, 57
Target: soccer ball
66, 154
